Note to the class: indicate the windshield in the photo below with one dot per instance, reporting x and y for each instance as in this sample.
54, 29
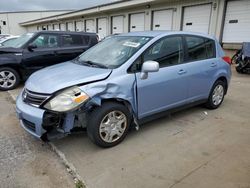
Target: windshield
20, 41
8, 42
113, 52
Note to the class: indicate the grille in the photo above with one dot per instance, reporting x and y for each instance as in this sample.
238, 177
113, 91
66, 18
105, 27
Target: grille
34, 99
29, 125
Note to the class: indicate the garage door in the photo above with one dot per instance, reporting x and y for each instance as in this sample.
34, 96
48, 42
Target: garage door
70, 26
56, 27
197, 18
117, 24
90, 25
137, 22
102, 26
162, 20
62, 27
237, 22
79, 26
50, 27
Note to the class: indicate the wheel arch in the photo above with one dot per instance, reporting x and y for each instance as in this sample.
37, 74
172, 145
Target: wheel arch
16, 67
223, 79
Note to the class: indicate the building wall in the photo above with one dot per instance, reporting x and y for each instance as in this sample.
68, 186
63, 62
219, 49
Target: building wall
217, 16
158, 5
13, 19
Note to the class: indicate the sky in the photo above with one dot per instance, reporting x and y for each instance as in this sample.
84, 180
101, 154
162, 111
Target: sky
20, 5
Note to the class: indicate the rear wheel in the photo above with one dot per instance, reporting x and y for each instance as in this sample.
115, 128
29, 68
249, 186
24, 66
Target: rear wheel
9, 78
238, 69
108, 125
217, 94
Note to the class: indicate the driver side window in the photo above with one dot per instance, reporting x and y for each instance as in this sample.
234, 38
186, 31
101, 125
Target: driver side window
46, 41
167, 51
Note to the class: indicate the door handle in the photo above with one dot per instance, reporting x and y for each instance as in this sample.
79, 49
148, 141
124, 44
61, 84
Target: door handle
213, 64
182, 71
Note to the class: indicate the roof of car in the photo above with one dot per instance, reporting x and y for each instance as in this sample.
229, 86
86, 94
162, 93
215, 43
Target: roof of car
157, 33
65, 32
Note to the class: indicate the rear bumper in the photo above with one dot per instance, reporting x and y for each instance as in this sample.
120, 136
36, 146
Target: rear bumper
31, 118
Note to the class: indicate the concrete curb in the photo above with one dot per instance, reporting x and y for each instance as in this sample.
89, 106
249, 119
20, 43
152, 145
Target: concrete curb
69, 166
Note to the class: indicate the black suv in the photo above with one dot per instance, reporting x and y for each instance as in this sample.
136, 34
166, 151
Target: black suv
33, 51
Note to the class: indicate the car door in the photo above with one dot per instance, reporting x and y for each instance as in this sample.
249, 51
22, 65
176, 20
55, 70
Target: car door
41, 52
72, 46
166, 88
201, 66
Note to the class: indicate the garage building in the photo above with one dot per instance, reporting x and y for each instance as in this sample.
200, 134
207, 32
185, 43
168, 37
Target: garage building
228, 20
9, 21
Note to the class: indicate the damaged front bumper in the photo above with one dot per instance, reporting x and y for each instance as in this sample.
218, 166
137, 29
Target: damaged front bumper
46, 125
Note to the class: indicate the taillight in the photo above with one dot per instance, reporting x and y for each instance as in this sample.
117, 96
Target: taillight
227, 59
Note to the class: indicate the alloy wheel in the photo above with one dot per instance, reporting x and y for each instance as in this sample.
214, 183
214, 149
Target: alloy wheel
113, 126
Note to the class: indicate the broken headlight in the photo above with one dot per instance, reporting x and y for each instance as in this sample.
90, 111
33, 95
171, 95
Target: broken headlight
67, 100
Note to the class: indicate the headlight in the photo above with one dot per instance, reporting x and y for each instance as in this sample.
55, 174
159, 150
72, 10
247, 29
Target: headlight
67, 100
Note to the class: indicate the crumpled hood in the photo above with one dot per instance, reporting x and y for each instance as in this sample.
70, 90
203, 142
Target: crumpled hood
54, 78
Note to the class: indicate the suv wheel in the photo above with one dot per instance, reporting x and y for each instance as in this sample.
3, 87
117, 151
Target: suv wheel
108, 125
216, 96
9, 78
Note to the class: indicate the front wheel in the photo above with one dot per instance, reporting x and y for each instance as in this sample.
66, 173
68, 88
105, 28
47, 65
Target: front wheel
108, 125
9, 79
217, 94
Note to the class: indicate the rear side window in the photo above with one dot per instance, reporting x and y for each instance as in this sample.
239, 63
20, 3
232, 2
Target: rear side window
199, 48
74, 40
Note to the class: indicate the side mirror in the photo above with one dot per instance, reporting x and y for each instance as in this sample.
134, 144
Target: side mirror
31, 47
149, 66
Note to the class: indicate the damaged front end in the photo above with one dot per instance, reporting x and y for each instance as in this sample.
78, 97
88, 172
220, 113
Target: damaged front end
58, 125
47, 124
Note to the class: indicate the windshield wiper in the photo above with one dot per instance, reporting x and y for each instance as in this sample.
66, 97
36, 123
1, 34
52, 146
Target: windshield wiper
92, 64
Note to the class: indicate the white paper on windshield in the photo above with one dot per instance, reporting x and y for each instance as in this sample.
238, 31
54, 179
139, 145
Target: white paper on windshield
131, 44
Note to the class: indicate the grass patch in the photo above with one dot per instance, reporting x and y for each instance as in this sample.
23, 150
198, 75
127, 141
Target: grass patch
79, 184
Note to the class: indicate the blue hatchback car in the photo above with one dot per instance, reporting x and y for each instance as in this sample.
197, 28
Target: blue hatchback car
125, 79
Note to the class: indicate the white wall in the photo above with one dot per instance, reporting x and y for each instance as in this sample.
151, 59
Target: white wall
13, 19
215, 27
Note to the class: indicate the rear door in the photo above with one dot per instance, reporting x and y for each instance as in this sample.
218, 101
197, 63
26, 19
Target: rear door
201, 66
72, 45
167, 88
44, 54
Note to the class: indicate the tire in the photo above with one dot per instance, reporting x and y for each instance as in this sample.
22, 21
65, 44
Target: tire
239, 70
100, 128
9, 79
213, 102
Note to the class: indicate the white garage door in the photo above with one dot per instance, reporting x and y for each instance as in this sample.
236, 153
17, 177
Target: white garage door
137, 22
90, 26
237, 22
70, 26
79, 26
162, 20
56, 27
50, 27
102, 27
197, 18
117, 24
62, 27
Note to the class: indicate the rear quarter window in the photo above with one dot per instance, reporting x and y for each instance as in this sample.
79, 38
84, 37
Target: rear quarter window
74, 40
199, 48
